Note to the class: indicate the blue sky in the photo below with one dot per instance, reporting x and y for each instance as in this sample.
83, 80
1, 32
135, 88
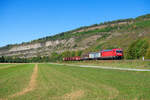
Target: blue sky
26, 20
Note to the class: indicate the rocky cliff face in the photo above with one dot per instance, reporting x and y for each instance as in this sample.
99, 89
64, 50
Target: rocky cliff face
46, 48
40, 49
25, 47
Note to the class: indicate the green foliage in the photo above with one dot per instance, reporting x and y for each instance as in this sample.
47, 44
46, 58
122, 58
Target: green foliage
7, 47
147, 16
147, 56
23, 60
137, 49
55, 56
142, 24
66, 54
99, 47
78, 53
71, 53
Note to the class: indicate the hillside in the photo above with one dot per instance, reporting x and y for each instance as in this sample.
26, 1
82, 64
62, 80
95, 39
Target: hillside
124, 34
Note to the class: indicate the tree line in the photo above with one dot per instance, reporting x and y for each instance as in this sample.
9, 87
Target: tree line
52, 58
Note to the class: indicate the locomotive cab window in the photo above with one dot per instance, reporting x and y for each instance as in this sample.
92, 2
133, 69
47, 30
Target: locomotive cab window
119, 51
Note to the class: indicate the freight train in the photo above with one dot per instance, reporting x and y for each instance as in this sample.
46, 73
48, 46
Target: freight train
113, 54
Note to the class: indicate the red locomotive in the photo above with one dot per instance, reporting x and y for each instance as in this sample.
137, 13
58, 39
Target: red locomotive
112, 54
104, 54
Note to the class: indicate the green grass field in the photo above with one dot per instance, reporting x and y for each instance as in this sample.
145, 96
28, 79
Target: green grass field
139, 64
60, 82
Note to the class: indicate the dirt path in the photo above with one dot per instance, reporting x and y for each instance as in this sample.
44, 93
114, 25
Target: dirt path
74, 95
3, 99
32, 84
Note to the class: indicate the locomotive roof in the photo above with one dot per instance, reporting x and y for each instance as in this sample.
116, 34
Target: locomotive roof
112, 49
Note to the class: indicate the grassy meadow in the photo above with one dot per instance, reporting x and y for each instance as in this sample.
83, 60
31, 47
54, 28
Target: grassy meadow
139, 64
60, 82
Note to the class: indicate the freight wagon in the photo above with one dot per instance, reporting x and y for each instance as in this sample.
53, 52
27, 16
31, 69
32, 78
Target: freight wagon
94, 55
104, 54
76, 58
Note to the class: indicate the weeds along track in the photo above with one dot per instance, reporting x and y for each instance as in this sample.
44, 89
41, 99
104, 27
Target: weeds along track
105, 67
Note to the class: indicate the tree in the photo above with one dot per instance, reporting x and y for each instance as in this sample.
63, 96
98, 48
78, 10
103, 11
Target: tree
2, 59
78, 53
66, 54
55, 56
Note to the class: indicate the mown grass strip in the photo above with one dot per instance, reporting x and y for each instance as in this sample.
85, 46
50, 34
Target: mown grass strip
14, 79
32, 83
